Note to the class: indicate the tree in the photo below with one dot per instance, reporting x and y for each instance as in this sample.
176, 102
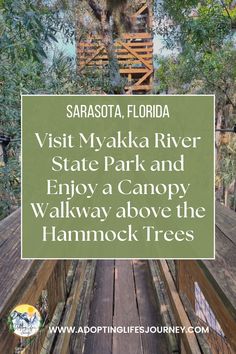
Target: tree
112, 18
26, 30
205, 61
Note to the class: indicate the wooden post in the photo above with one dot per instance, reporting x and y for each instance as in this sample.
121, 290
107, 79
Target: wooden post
56, 287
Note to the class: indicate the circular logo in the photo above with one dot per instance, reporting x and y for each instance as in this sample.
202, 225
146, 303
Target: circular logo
25, 320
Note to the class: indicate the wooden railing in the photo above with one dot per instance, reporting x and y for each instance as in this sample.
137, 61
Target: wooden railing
202, 292
56, 288
216, 282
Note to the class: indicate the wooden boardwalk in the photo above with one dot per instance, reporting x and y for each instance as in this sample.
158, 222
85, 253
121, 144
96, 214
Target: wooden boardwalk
121, 293
124, 296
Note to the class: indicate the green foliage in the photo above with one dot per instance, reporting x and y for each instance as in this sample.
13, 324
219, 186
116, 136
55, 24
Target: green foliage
200, 72
24, 29
226, 170
206, 58
22, 32
232, 13
227, 166
202, 25
204, 61
26, 32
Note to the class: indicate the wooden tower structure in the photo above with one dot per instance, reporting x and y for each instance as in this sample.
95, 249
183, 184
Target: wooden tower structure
134, 51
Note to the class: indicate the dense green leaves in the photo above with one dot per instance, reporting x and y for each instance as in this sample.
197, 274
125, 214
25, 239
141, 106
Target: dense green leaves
26, 33
203, 36
29, 31
206, 56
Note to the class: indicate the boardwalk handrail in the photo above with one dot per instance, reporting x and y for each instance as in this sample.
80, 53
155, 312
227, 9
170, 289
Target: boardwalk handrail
213, 283
204, 290
22, 281
33, 282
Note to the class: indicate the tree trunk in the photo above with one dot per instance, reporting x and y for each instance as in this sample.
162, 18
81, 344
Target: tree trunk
104, 16
117, 84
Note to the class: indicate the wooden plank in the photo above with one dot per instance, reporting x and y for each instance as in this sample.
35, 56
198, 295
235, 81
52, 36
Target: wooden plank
37, 282
57, 316
186, 281
141, 10
189, 339
27, 290
171, 264
149, 66
139, 88
118, 50
139, 35
70, 275
36, 342
205, 339
56, 287
77, 340
97, 61
68, 264
226, 222
164, 305
117, 44
62, 343
134, 71
102, 63
9, 224
137, 44
13, 272
100, 49
101, 313
18, 277
119, 56
221, 272
140, 81
148, 310
125, 310
48, 341
216, 299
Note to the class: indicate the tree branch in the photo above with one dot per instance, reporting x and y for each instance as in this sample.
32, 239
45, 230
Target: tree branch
97, 10
227, 11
